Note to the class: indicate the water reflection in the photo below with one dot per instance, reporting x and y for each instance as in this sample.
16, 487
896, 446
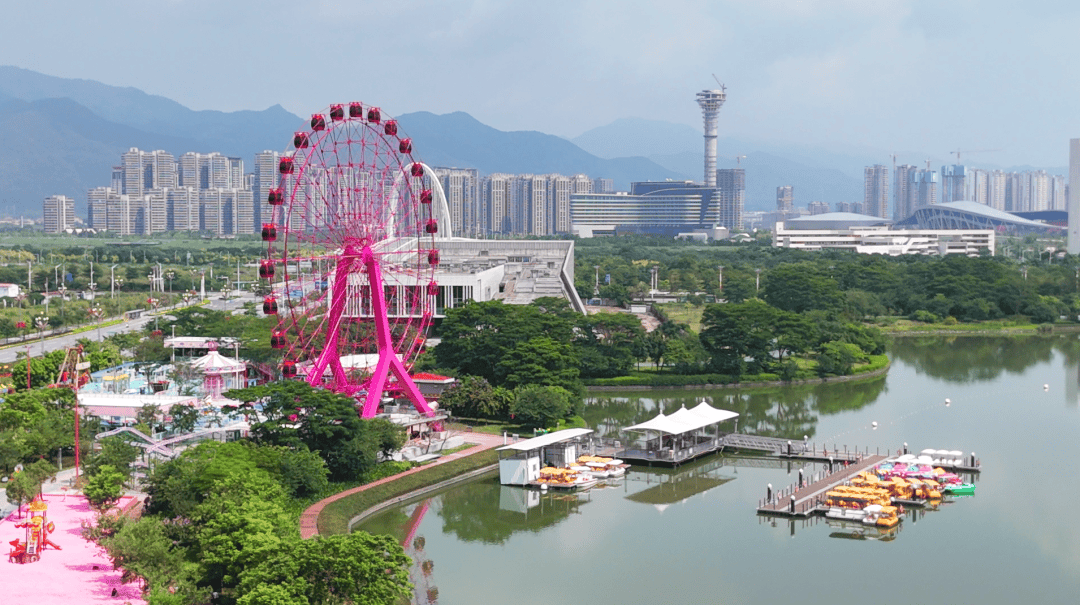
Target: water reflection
484, 511
790, 412
980, 358
662, 487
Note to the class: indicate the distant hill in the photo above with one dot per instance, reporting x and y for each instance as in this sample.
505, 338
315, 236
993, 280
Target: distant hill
238, 133
629, 137
459, 140
63, 137
58, 147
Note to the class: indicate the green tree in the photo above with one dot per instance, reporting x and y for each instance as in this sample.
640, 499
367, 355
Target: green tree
608, 344
145, 551
540, 360
838, 358
21, 488
352, 568
104, 488
477, 336
474, 397
541, 406
116, 453
184, 418
294, 414
799, 287
734, 333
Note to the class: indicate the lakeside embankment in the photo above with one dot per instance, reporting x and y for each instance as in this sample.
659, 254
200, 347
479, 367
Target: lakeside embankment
335, 514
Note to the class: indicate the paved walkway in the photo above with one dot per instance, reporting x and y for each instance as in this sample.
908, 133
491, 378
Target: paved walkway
309, 520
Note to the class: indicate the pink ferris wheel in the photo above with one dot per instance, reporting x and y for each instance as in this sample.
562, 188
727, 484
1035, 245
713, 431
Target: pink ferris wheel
351, 256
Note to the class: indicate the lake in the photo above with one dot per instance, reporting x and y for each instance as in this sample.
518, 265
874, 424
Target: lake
692, 535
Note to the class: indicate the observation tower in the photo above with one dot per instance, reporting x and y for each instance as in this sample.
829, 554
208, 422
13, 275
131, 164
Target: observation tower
711, 101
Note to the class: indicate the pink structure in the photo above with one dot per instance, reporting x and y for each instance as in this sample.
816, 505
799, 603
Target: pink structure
220, 373
79, 573
351, 256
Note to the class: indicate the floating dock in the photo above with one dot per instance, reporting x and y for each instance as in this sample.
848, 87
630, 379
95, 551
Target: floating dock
804, 501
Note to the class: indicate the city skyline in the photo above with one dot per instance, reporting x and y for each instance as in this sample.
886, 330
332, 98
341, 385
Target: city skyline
831, 73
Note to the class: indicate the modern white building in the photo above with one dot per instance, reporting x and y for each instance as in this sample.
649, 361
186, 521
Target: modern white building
891, 242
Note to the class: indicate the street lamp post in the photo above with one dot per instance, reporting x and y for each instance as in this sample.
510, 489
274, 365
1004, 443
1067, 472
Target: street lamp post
721, 280
42, 322
112, 281
63, 296
757, 281
96, 314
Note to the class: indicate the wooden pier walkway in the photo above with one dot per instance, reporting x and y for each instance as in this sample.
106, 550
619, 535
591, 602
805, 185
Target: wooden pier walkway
809, 497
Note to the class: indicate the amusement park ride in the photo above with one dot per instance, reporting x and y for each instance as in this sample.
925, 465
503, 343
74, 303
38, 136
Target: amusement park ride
351, 256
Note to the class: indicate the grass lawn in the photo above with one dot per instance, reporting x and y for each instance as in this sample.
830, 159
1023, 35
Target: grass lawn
907, 325
684, 313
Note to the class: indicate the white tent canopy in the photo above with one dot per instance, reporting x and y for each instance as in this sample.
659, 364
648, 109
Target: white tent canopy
684, 420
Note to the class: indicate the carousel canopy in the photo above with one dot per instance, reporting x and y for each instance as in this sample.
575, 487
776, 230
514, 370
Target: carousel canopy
684, 420
216, 362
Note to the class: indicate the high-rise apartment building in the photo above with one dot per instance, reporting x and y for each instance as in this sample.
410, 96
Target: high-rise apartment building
266, 178
460, 185
143, 170
1013, 197
601, 185
183, 209
876, 191
1058, 192
995, 189
923, 189
818, 208
903, 200
730, 198
580, 183
953, 183
97, 209
559, 189
495, 197
785, 198
976, 186
59, 211
528, 204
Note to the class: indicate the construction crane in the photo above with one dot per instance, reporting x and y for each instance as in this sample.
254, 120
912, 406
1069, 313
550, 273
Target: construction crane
738, 160
959, 151
722, 87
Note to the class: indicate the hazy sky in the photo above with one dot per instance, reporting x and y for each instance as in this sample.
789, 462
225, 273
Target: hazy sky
920, 75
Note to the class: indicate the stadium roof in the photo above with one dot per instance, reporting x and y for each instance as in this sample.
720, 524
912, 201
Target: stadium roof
971, 215
984, 210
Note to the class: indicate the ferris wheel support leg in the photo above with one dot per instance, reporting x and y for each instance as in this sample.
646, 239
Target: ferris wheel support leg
388, 358
330, 355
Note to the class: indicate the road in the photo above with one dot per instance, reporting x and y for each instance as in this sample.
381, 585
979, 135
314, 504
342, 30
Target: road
8, 354
63, 341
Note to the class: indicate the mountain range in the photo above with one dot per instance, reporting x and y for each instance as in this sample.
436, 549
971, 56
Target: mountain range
63, 136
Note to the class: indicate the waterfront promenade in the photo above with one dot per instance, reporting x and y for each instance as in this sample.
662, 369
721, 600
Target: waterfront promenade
309, 519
